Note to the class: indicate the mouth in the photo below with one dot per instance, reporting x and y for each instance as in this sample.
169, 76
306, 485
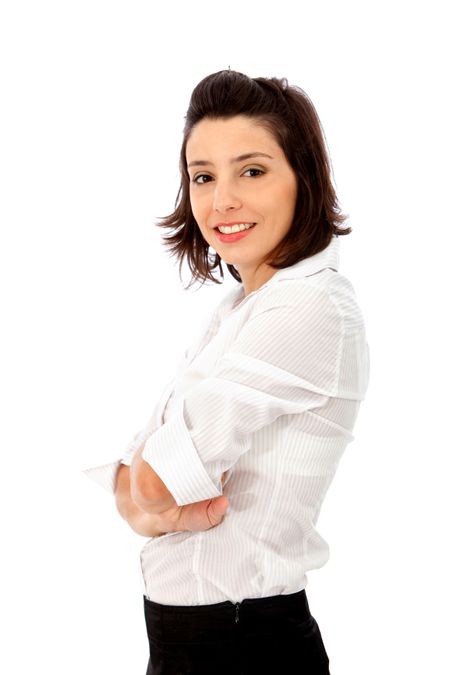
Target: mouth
228, 234
233, 228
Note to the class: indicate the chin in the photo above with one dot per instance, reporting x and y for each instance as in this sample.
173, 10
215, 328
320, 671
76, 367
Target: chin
230, 262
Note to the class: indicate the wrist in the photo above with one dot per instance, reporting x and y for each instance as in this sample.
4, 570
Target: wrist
147, 525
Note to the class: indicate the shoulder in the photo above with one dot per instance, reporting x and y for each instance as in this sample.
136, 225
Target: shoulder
326, 295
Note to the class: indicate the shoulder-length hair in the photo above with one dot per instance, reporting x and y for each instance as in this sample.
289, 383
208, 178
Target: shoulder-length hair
289, 115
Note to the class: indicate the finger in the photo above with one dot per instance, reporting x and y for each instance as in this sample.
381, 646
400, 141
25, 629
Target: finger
217, 509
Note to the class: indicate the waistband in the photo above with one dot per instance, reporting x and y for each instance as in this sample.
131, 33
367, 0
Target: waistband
163, 620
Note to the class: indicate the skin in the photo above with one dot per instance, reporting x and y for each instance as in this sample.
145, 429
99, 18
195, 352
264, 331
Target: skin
262, 190
192, 517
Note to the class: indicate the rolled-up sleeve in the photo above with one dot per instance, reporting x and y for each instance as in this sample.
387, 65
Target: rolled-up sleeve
284, 361
106, 474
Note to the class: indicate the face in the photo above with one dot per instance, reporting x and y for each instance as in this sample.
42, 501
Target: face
240, 175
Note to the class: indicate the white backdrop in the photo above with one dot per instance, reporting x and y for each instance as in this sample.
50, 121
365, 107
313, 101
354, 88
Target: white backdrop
94, 314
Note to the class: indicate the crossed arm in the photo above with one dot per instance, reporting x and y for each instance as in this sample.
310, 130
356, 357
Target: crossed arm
145, 524
147, 489
251, 386
152, 494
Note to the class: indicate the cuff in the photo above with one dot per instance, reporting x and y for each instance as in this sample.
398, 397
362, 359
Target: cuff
105, 475
172, 454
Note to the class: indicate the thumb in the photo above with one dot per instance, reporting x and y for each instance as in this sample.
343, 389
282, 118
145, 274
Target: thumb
217, 509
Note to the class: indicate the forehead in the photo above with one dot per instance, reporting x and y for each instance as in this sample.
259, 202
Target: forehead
224, 136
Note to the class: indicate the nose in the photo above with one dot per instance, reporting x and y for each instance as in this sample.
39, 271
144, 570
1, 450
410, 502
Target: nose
225, 197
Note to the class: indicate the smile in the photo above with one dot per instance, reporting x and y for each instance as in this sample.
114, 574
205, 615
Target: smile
234, 233
237, 227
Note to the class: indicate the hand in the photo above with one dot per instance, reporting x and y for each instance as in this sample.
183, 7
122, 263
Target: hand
195, 517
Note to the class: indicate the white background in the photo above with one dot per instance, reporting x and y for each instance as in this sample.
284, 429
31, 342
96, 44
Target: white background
94, 314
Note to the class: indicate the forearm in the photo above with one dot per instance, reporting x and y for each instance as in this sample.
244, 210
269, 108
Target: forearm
195, 517
145, 524
147, 489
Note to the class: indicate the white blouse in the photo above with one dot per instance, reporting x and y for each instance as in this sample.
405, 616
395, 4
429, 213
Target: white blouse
270, 392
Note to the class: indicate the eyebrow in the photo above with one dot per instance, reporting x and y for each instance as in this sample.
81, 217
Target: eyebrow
247, 155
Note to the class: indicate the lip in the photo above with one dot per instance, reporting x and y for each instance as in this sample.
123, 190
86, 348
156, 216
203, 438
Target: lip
234, 236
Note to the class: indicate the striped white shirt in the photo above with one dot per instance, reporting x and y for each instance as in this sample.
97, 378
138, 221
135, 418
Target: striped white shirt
270, 391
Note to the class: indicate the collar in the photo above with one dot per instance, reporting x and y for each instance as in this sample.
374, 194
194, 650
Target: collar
327, 258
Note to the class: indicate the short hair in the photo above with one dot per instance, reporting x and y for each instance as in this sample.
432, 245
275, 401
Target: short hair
288, 114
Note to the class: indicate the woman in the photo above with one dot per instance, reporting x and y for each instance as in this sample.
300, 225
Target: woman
228, 477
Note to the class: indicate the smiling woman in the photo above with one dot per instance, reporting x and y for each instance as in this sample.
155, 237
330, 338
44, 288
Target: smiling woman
267, 132
264, 402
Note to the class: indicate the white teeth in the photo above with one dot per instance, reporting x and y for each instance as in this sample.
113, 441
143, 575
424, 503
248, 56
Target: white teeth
229, 229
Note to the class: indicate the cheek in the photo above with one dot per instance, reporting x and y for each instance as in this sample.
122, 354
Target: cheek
201, 217
281, 205
198, 207
289, 199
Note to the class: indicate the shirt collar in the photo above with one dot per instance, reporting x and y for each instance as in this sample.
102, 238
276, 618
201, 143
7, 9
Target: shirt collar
327, 258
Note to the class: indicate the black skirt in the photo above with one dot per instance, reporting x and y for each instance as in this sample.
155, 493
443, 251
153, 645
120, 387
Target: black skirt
275, 635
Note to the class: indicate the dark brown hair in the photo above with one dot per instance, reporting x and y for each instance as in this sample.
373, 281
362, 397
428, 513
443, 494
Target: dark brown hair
289, 115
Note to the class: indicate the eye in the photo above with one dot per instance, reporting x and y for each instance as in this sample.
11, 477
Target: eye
260, 172
200, 175
199, 178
